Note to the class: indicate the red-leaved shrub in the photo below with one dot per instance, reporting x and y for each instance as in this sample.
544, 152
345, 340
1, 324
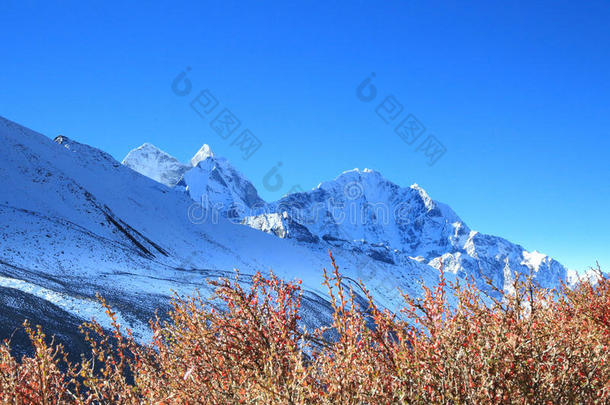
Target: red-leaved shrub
245, 345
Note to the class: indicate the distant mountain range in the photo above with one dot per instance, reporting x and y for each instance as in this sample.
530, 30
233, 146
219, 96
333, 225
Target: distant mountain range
359, 211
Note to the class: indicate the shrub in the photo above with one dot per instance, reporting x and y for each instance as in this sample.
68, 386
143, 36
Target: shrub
245, 345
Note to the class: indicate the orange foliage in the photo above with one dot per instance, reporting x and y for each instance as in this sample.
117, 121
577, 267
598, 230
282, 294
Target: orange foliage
532, 346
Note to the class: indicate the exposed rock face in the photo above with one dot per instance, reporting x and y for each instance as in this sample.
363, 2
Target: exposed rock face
281, 225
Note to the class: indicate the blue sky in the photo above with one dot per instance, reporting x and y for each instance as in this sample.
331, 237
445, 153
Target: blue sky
517, 92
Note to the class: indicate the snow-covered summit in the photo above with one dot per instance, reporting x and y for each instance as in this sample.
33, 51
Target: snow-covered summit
154, 163
208, 179
202, 154
217, 185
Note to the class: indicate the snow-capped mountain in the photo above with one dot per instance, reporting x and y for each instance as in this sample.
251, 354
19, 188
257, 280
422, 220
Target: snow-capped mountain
362, 212
154, 163
216, 185
210, 180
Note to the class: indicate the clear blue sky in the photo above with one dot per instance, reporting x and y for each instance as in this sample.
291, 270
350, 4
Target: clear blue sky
518, 92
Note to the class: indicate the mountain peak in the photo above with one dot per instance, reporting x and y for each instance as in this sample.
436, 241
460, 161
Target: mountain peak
358, 171
147, 148
358, 175
150, 146
152, 162
202, 154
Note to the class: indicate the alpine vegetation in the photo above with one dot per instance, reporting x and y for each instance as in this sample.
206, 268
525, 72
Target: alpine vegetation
246, 344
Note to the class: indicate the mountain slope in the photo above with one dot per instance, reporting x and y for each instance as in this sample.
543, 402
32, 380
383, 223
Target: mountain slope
75, 222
